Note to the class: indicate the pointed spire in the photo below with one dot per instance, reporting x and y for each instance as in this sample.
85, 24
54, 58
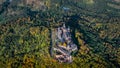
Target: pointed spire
64, 25
68, 29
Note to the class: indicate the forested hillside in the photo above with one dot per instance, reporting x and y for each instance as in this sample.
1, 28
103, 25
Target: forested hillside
25, 27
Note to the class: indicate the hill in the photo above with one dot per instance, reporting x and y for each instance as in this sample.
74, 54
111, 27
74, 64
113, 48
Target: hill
25, 27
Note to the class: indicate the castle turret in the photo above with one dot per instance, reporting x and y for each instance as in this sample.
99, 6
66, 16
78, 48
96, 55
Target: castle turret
64, 25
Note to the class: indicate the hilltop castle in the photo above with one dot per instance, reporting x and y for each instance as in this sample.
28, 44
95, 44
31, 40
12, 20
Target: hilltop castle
63, 45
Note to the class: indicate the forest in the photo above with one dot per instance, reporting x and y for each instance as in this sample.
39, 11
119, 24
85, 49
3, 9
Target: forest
25, 27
